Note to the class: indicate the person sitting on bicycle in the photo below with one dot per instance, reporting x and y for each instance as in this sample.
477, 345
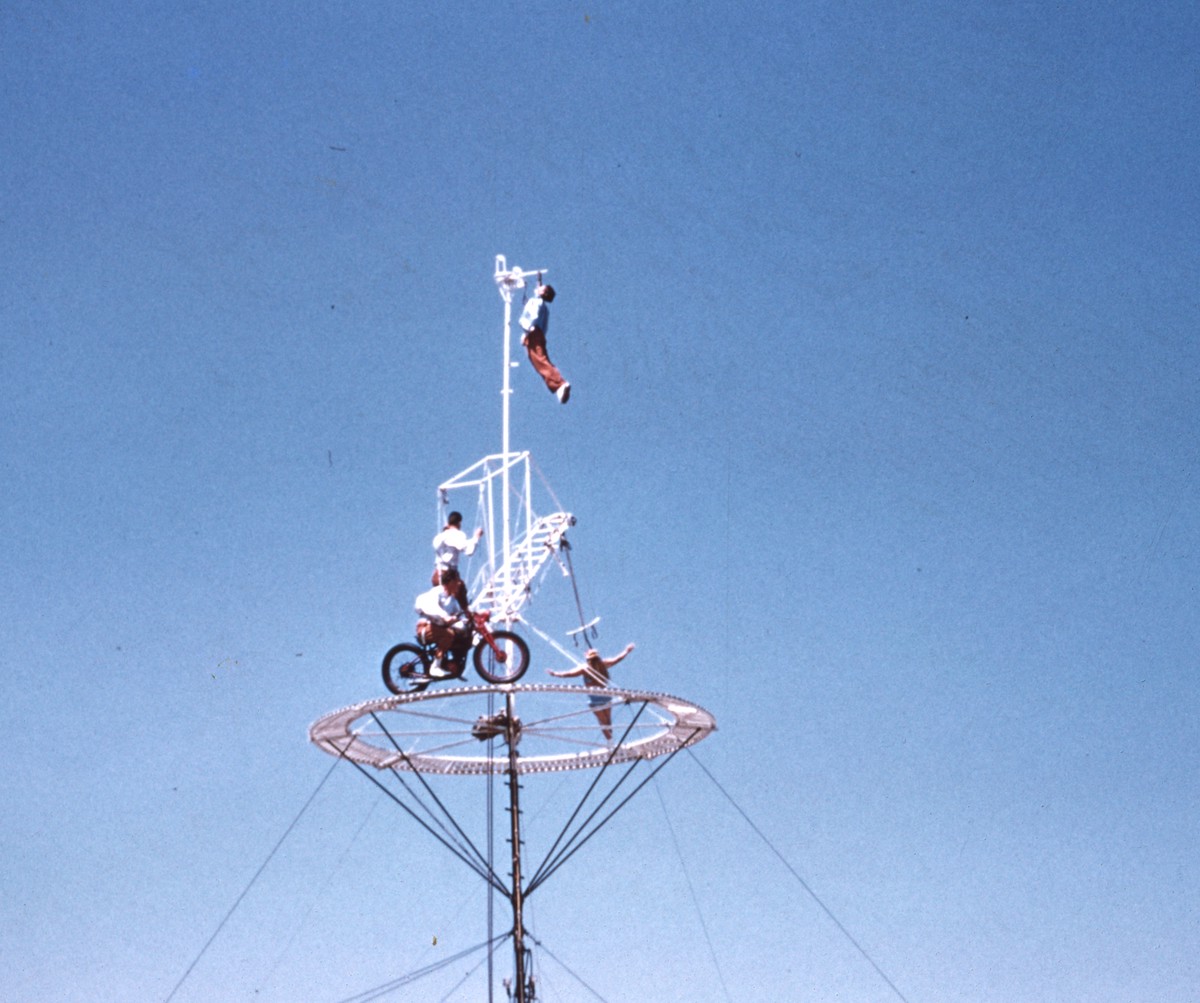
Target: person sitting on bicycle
443, 621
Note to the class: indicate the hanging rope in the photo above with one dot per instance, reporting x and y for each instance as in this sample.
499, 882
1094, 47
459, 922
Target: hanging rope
584, 627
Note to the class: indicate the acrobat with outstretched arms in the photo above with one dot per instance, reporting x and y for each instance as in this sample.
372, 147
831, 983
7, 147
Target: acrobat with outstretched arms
595, 672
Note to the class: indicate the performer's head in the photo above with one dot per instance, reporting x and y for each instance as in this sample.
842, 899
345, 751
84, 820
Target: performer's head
449, 579
454, 519
546, 293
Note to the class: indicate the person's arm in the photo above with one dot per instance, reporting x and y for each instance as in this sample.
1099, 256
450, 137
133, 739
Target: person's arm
610, 662
529, 316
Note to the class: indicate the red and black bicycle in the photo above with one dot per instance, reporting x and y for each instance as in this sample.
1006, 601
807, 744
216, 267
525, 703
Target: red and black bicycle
500, 656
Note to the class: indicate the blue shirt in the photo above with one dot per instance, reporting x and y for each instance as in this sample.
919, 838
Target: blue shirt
536, 314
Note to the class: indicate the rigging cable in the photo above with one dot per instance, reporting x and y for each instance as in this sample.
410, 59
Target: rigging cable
692, 890
246, 890
427, 810
424, 783
546, 484
488, 877
321, 891
561, 964
491, 840
564, 857
803, 884
378, 992
471, 971
536, 879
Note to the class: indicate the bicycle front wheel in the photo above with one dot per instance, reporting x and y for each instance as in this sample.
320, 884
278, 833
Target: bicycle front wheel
509, 665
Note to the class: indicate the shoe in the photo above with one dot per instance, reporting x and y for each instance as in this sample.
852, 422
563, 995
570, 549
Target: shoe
563, 393
439, 671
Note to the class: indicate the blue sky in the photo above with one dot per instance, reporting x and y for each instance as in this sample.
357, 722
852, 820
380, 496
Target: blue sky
881, 325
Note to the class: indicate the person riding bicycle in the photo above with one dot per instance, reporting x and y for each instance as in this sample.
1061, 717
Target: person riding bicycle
443, 622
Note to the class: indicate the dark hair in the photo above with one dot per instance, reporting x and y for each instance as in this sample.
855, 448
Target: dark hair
548, 293
449, 575
454, 519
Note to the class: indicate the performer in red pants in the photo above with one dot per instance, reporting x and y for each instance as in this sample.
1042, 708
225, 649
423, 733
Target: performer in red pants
535, 319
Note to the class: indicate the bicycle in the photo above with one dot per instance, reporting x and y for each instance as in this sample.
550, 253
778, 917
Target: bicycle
500, 656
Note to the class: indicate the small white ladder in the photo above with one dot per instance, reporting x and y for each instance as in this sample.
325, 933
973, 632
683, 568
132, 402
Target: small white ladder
509, 588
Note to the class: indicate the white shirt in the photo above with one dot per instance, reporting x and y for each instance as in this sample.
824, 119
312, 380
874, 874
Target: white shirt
448, 544
437, 606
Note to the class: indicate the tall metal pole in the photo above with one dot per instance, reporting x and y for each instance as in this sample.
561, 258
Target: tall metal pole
506, 281
505, 394
514, 801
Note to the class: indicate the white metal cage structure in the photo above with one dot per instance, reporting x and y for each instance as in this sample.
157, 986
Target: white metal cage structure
510, 728
519, 542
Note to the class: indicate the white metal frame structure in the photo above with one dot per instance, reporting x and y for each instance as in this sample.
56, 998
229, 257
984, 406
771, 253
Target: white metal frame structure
508, 281
564, 727
445, 731
528, 540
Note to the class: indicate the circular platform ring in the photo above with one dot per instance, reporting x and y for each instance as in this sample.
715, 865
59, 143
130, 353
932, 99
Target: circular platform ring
461, 730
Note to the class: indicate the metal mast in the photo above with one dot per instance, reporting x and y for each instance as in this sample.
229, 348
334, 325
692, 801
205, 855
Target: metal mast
421, 742
507, 281
513, 731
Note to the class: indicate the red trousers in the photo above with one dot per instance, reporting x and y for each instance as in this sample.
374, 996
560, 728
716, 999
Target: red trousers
535, 345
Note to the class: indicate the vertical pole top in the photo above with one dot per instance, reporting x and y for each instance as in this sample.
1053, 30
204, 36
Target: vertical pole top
510, 279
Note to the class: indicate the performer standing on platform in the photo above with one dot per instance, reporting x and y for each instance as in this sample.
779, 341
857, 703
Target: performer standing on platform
450, 544
535, 319
595, 674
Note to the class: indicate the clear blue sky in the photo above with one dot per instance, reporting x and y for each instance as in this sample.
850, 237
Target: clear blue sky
882, 327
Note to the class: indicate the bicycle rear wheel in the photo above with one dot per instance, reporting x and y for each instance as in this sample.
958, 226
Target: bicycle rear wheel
405, 669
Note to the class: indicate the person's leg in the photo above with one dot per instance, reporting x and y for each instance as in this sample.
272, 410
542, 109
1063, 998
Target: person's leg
441, 636
535, 345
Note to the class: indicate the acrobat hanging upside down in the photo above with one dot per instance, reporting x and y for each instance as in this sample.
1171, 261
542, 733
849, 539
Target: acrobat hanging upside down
595, 672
